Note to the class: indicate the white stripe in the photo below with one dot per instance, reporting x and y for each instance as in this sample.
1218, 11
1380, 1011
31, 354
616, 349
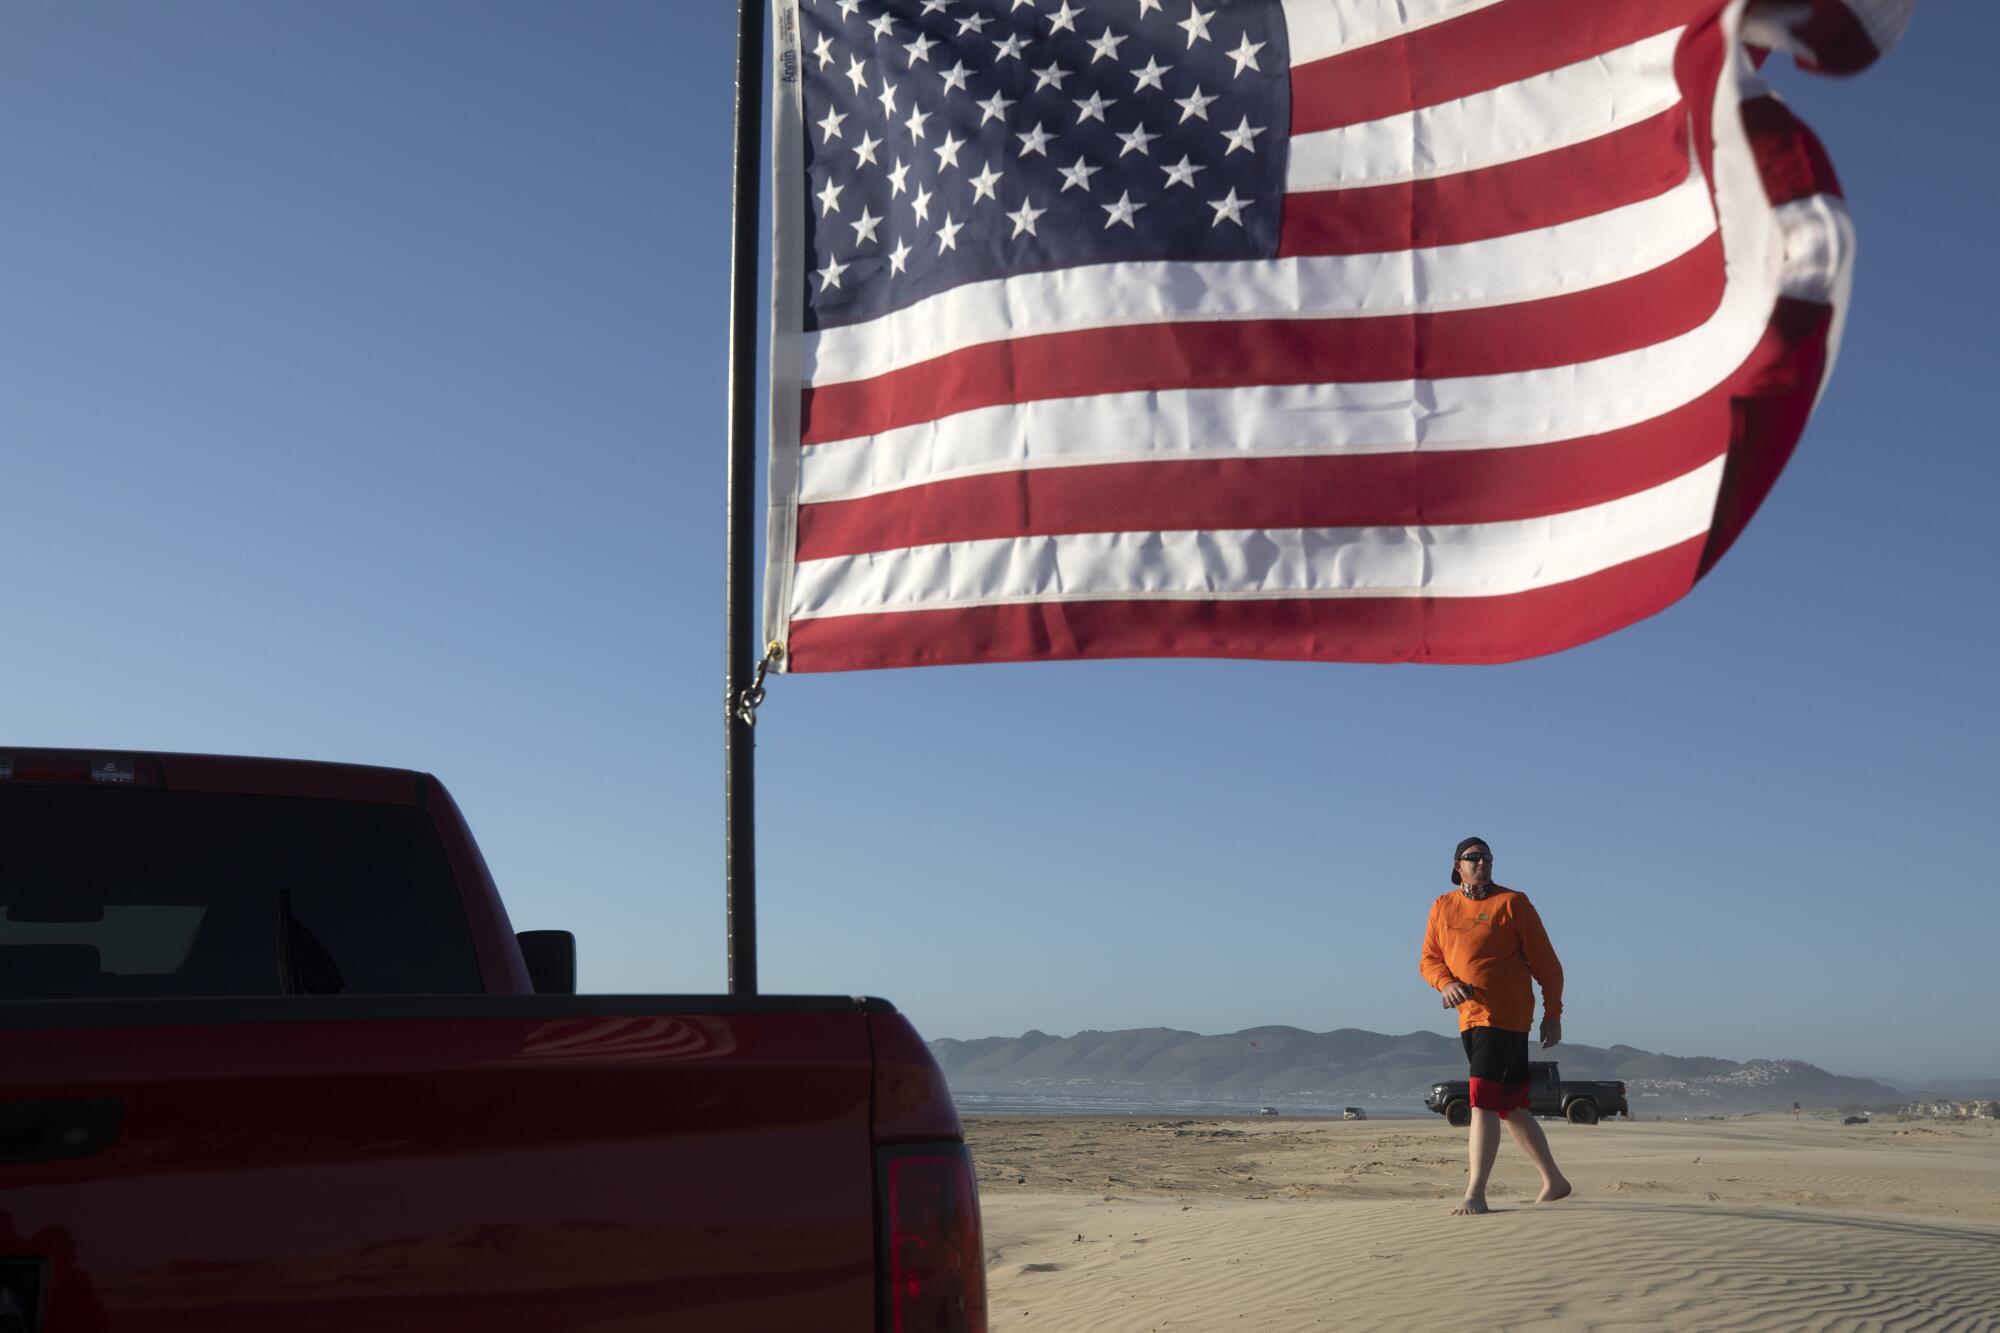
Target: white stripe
1884, 20
1445, 560
1564, 106
1524, 266
1316, 29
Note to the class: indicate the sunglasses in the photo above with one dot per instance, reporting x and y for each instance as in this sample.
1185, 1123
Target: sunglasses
1477, 856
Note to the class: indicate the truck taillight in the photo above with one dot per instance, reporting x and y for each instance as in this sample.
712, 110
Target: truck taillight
933, 1260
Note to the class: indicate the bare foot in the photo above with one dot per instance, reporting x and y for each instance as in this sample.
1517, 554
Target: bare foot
1473, 1203
1550, 1193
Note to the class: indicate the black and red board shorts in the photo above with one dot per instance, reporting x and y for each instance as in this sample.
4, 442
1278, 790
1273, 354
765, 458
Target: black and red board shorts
1499, 1061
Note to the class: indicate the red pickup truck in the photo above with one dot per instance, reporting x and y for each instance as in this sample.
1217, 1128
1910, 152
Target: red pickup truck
272, 1057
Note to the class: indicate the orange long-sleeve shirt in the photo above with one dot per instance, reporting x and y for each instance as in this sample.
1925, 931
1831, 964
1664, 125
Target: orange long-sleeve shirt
1494, 945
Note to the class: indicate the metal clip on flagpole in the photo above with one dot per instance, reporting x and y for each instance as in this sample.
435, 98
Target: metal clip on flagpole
748, 700
739, 838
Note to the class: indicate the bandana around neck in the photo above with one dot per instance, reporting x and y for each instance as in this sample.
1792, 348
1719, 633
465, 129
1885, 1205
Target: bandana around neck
1476, 894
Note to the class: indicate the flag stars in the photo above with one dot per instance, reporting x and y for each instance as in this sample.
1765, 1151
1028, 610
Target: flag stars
1229, 208
1064, 18
919, 50
1106, 46
1241, 137
1010, 49
994, 108
1196, 105
857, 74
823, 49
830, 275
1092, 107
1035, 141
954, 78
829, 127
847, 7
887, 97
1245, 56
948, 234
1136, 141
899, 258
1077, 175
1024, 217
983, 183
936, 6
1149, 7
975, 25
1196, 25
864, 152
1150, 76
1181, 173
829, 198
1051, 76
1121, 212
920, 203
915, 124
885, 22
947, 152
897, 177
865, 225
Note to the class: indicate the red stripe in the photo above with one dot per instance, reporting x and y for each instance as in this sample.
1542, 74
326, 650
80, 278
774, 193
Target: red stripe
1789, 155
1638, 162
1512, 40
1209, 354
1351, 491
1343, 629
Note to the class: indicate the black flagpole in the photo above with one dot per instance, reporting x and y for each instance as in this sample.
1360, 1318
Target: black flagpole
739, 774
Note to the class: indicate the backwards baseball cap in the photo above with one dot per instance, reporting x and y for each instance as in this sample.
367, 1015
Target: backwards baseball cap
1464, 845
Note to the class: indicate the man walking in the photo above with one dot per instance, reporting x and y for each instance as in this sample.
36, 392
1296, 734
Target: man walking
1482, 946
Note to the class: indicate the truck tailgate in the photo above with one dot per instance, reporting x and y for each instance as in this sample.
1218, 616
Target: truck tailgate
598, 1163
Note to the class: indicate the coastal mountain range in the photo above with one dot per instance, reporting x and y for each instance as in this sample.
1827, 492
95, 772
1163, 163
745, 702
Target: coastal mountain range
1292, 1065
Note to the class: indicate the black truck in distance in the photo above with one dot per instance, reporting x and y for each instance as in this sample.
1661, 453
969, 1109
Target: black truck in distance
1579, 1102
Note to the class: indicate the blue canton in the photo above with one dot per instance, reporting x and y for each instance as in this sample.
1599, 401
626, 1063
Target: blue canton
952, 141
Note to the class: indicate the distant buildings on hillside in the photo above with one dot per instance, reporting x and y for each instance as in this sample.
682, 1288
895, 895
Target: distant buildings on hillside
1976, 1110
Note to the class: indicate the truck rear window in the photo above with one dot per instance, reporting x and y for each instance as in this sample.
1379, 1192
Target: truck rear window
126, 893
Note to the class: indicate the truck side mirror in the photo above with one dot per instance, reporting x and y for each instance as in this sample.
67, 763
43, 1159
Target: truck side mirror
551, 959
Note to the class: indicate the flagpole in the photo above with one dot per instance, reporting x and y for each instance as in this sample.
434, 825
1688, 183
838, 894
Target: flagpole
739, 773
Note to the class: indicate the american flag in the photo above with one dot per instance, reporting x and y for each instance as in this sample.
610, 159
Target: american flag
1358, 330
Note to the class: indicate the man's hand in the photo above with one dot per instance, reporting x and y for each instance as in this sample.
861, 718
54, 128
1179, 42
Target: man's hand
1455, 994
1552, 1032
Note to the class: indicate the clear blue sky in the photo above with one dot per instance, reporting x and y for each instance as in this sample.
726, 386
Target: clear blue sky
361, 397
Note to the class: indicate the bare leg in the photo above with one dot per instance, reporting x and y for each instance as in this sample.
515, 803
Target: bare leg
1528, 1133
1482, 1147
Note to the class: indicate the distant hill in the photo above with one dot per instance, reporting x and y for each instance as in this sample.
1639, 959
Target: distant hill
1292, 1064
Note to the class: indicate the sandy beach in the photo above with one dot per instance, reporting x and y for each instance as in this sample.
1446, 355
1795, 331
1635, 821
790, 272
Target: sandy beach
1145, 1223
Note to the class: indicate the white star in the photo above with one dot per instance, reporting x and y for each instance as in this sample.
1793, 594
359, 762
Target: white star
1035, 141
1136, 141
921, 202
1121, 211
1245, 56
1196, 105
954, 78
995, 108
1009, 49
1145, 5
1078, 174
882, 25
1181, 173
973, 24
896, 178
936, 6
899, 258
857, 74
823, 48
1024, 218
1106, 47
983, 183
1064, 18
865, 225
948, 150
847, 7
830, 275
915, 124
920, 49
1230, 207
865, 150
1053, 74
1196, 25
1149, 77
1092, 108
948, 234
829, 128
1241, 136
887, 97
829, 198
1019, 4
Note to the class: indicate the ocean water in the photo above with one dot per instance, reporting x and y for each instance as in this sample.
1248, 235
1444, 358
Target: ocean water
1101, 1101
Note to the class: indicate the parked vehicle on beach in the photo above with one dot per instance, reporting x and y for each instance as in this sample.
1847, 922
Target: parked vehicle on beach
276, 1058
1579, 1102
1352, 1113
